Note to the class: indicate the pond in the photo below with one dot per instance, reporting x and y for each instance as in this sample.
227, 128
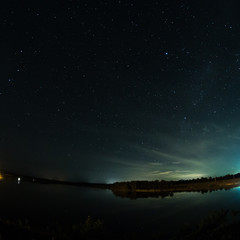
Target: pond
72, 204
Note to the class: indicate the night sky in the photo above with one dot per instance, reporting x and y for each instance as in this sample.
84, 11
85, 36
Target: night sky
107, 90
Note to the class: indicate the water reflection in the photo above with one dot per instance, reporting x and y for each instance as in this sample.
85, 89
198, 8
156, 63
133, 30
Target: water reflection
159, 194
136, 195
120, 212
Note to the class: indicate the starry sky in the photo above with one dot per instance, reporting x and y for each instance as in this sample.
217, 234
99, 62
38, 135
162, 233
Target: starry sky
106, 91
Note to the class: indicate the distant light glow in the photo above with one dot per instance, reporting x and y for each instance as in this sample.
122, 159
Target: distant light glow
112, 180
1, 176
19, 180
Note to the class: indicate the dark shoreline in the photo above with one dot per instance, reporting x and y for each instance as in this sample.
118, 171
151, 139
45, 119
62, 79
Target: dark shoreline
169, 191
25, 178
142, 189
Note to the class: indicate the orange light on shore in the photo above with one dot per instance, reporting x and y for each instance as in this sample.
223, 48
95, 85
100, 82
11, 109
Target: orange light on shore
1, 176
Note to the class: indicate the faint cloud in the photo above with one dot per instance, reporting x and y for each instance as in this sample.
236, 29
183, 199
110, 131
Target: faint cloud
162, 173
156, 163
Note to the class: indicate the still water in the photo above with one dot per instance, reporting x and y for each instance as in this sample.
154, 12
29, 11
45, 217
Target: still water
71, 204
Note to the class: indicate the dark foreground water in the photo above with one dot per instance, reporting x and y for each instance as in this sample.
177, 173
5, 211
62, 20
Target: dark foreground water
70, 204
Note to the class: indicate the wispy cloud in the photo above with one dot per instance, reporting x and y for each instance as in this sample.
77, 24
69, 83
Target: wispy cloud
162, 173
156, 163
172, 157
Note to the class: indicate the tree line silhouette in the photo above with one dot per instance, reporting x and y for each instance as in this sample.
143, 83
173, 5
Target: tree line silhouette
162, 185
